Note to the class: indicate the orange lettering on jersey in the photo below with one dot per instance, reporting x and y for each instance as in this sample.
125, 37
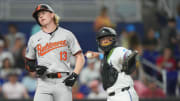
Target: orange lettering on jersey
42, 50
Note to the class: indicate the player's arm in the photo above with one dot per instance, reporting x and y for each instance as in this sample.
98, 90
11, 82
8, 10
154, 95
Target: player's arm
30, 65
79, 62
77, 52
30, 59
91, 54
69, 81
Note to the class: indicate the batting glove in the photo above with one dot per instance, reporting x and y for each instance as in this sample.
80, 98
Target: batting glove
40, 70
69, 81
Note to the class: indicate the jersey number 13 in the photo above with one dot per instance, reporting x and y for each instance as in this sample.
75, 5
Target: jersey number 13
63, 56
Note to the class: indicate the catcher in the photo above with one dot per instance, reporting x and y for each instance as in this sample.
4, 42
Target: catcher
117, 65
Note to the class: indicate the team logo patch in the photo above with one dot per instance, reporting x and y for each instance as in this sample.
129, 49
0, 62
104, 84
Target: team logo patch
124, 50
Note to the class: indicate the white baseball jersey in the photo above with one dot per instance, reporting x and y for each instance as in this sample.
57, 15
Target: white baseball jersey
53, 50
116, 59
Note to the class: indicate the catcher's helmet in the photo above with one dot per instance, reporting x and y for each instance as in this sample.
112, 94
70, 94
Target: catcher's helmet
103, 32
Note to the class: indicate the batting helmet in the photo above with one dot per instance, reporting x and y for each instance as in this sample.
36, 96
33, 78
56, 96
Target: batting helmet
44, 7
104, 32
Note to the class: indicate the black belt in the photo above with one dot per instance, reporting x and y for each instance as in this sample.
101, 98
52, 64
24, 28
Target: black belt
56, 75
123, 89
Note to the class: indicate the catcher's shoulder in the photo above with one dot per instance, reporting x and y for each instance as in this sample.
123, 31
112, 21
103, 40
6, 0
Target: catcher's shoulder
121, 49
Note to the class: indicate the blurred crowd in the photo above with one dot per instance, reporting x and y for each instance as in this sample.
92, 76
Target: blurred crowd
160, 47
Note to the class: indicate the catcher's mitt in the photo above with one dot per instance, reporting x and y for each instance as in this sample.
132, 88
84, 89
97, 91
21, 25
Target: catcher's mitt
129, 64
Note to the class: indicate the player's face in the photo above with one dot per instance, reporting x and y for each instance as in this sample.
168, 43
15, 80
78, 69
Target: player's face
105, 41
45, 17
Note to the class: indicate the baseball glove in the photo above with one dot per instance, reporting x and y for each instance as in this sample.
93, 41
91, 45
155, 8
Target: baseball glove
129, 64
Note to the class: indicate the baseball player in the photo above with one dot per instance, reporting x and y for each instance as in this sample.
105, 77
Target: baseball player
48, 54
117, 65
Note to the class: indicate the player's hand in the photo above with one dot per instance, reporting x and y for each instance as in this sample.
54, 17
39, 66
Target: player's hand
91, 54
40, 70
69, 81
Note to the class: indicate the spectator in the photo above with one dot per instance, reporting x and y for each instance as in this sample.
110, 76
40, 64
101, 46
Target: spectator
103, 20
84, 89
19, 43
124, 39
176, 52
76, 94
150, 52
95, 92
178, 18
178, 65
140, 88
29, 82
7, 68
5, 54
20, 63
169, 35
134, 40
139, 79
1, 37
0, 92
153, 91
89, 73
12, 36
14, 89
150, 41
178, 79
166, 61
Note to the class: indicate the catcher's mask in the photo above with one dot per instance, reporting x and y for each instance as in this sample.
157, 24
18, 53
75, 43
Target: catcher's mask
106, 38
45, 7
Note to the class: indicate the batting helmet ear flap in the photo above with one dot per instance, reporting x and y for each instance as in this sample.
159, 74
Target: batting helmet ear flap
36, 18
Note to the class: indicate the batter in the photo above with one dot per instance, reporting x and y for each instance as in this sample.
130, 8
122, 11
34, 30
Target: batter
48, 54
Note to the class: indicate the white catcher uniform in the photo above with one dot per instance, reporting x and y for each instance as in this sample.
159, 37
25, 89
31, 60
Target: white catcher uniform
53, 51
122, 89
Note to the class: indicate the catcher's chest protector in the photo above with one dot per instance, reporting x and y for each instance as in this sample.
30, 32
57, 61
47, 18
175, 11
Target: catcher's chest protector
108, 73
